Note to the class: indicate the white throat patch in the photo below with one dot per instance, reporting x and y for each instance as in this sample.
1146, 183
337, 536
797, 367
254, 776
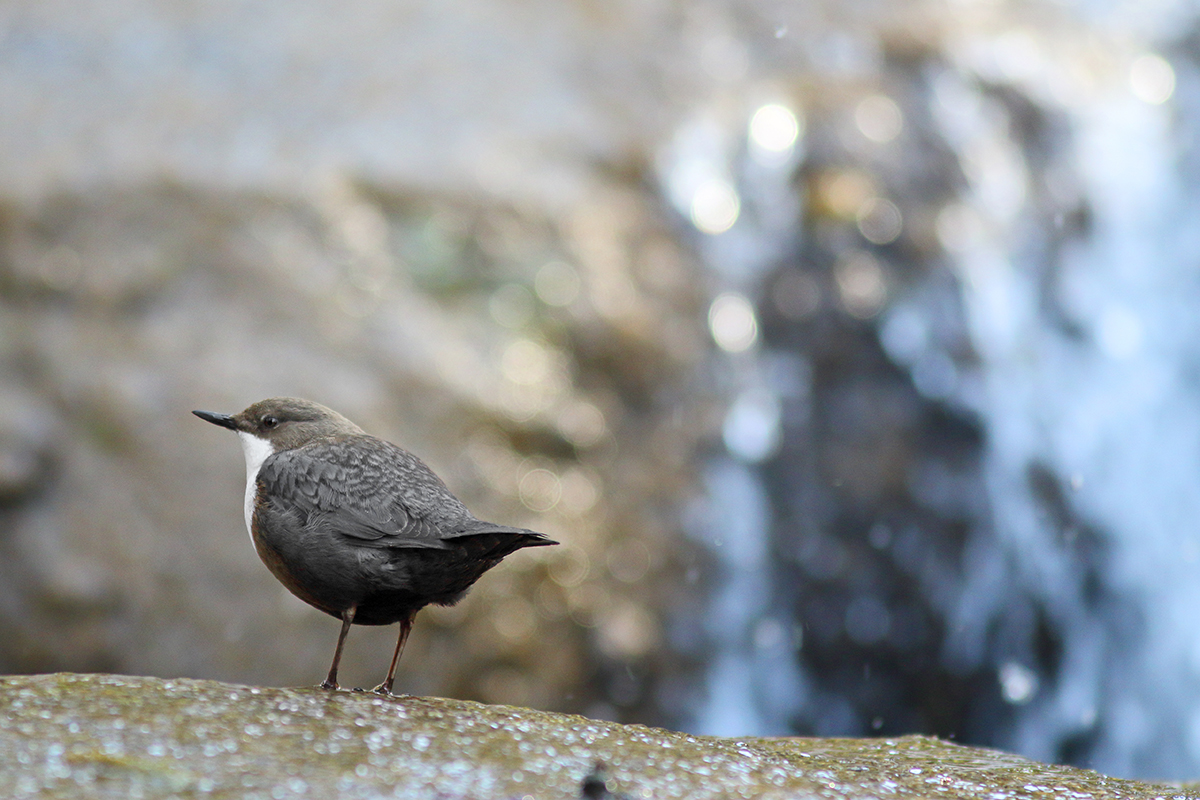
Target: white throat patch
257, 451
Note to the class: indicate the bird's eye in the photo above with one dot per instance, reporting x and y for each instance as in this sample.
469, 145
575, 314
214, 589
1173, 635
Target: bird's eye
269, 421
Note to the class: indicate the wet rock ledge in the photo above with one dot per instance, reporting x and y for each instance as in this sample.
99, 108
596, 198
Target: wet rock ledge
81, 736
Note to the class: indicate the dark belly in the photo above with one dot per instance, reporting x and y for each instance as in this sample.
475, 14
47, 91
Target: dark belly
384, 585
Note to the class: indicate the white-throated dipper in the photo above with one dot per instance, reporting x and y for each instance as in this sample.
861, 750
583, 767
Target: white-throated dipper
355, 526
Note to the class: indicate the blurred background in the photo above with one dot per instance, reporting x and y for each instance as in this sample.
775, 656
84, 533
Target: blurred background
850, 349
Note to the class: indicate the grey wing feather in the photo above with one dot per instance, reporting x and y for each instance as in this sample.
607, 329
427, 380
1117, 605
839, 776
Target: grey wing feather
368, 490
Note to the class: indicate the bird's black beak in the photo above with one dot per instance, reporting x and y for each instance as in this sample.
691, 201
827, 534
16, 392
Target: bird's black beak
224, 420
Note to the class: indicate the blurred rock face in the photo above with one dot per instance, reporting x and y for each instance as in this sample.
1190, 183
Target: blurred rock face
471, 335
438, 223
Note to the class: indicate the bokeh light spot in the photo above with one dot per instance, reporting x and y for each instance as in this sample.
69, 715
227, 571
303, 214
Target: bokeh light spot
752, 426
774, 128
582, 423
769, 634
540, 490
1018, 683
579, 492
797, 295
628, 560
879, 118
732, 322
570, 566
1152, 79
627, 631
861, 286
879, 220
843, 192
715, 206
511, 305
557, 283
525, 362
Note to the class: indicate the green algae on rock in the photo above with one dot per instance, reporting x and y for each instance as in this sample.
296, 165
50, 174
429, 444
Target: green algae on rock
101, 736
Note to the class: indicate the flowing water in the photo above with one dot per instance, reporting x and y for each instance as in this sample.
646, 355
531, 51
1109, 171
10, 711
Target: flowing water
957, 314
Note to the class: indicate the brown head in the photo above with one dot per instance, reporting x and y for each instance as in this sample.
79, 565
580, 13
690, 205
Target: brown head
283, 423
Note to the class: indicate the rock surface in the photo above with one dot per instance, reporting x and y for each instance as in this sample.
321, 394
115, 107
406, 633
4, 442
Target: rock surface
76, 736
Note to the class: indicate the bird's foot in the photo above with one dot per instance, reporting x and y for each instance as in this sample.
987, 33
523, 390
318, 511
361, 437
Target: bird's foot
385, 689
328, 684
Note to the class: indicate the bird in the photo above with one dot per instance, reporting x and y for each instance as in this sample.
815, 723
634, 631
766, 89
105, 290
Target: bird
354, 525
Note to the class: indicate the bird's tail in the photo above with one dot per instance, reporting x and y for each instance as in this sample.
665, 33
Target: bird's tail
513, 538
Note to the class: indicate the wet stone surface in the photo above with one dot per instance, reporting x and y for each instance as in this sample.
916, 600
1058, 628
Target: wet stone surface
73, 736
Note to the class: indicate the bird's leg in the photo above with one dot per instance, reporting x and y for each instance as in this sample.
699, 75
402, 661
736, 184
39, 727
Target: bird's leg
347, 618
406, 624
